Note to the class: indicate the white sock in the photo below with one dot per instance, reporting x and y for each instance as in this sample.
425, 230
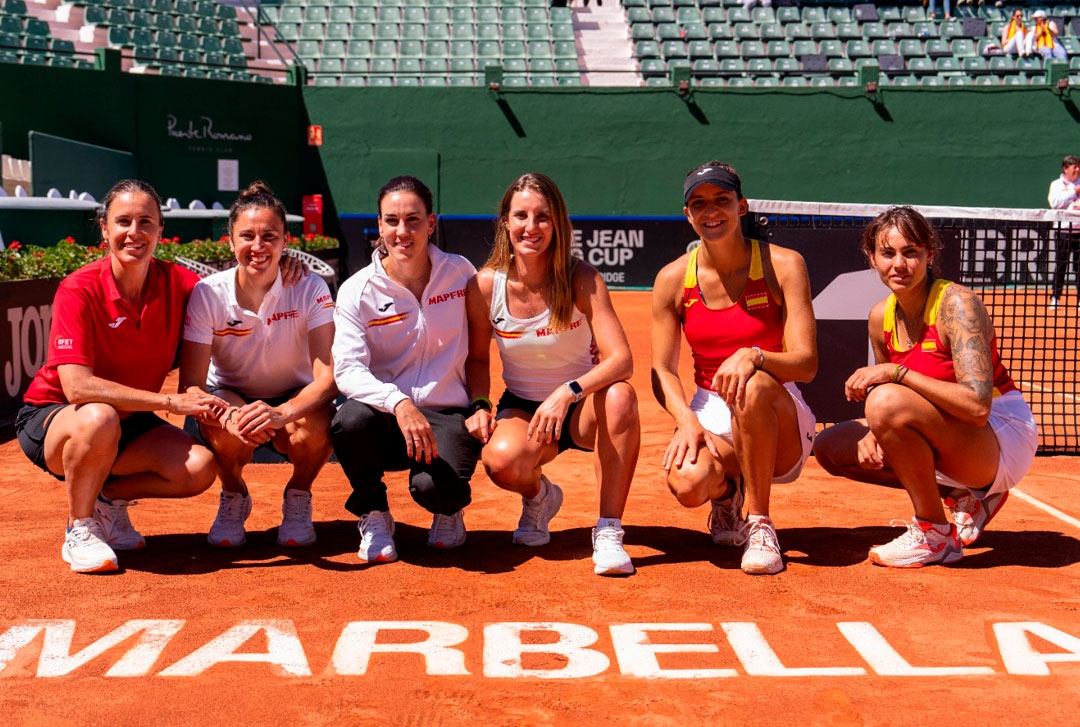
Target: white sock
609, 522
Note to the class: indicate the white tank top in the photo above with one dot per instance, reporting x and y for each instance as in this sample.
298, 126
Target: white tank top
536, 360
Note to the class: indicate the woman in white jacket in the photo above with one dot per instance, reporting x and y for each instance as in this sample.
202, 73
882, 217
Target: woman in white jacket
399, 356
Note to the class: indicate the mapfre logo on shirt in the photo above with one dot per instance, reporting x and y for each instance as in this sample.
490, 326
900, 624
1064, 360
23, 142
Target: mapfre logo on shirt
65, 344
282, 315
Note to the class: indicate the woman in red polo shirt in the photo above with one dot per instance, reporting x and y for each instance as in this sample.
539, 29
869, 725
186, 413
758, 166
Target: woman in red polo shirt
89, 414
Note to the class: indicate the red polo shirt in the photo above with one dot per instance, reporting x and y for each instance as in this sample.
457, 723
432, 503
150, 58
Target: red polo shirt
93, 326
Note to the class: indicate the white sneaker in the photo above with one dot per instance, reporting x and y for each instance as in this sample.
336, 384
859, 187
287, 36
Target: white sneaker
85, 548
296, 528
726, 519
447, 531
532, 527
1053, 304
228, 528
762, 553
972, 516
608, 555
377, 538
921, 544
120, 534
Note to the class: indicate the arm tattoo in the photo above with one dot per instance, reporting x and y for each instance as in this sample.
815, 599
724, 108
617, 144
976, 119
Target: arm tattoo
964, 321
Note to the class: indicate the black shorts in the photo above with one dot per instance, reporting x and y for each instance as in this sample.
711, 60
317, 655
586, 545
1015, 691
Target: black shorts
510, 400
32, 423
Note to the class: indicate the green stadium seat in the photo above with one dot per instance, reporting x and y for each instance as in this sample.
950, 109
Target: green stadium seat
139, 37
1001, 64
488, 50
778, 49
463, 80
746, 31
848, 31
883, 47
387, 31
890, 12
388, 14
763, 15
462, 49
564, 49
738, 15
462, 65
462, 15
568, 65
440, 66
739, 82
927, 30
385, 49
433, 81
515, 66
92, 15
823, 31
144, 54
364, 15
291, 14
804, 48
668, 31
168, 55
437, 49
334, 49
360, 49
463, 31
987, 80
687, 15
1029, 65
184, 7
337, 31
914, 14
487, 31
794, 82
540, 65
207, 26
410, 48
898, 30
643, 31
874, 31
533, 48
838, 14
413, 15
653, 67
788, 14
357, 65
438, 15
673, 49
380, 81
487, 15
408, 66
720, 31
324, 81
163, 22
797, 31
752, 49
831, 48
947, 64
509, 15
560, 16
362, 31
340, 14
910, 48
959, 80
820, 81
236, 60
937, 47
646, 49
952, 29
840, 65
382, 66
705, 67
312, 31
726, 49
699, 49
713, 15
813, 14
771, 31
766, 81
975, 66
119, 37
907, 80
190, 57
307, 49
857, 49
963, 48
210, 44
786, 66
729, 66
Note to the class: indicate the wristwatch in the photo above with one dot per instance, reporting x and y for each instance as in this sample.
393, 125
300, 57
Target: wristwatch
575, 389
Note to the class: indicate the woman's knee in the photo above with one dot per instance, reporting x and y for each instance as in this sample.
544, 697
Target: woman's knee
620, 406
96, 424
885, 408
505, 462
689, 490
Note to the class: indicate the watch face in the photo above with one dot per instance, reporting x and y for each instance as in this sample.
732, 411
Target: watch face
575, 387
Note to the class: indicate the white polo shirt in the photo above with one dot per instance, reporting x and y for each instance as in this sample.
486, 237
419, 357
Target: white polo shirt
261, 354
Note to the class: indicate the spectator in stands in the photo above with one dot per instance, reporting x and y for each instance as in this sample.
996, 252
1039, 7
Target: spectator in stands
942, 416
399, 356
89, 415
744, 307
566, 364
265, 349
932, 10
1065, 195
1014, 35
1042, 40
749, 4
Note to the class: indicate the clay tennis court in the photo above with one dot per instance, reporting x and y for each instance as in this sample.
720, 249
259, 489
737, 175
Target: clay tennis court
502, 635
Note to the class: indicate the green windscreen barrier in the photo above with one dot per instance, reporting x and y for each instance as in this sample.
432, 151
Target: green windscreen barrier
66, 164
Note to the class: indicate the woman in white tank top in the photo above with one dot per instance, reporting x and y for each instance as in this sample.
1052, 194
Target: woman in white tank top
566, 364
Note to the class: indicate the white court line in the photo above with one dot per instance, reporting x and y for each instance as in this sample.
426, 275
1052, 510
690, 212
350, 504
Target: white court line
1046, 508
1036, 387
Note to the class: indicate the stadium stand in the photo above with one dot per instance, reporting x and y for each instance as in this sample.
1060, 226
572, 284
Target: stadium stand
360, 43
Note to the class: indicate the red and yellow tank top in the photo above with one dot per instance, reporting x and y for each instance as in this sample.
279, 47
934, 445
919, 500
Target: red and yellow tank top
929, 355
756, 319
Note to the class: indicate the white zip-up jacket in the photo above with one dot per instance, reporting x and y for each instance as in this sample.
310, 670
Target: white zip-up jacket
389, 347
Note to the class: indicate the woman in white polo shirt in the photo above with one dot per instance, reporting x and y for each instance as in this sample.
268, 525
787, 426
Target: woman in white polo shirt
264, 348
